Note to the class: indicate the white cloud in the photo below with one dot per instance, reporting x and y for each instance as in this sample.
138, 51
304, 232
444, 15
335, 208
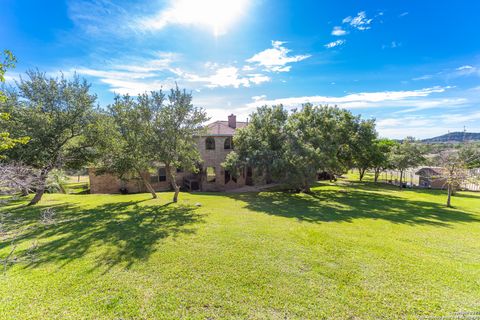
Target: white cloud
392, 45
132, 87
276, 59
228, 77
466, 70
395, 44
422, 126
259, 98
136, 75
424, 77
403, 14
215, 14
338, 31
115, 74
258, 78
248, 68
367, 99
360, 22
467, 67
335, 43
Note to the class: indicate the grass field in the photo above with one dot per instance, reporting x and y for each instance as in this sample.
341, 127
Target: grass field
349, 250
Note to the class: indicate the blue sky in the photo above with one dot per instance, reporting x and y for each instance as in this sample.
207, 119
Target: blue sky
412, 65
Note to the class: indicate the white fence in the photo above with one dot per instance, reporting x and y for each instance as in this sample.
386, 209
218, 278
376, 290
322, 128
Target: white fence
393, 177
411, 179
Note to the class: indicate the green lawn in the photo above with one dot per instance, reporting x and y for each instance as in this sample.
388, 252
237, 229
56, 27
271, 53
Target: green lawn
350, 250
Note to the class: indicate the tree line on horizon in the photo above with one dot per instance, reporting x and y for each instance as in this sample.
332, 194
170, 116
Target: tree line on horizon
52, 123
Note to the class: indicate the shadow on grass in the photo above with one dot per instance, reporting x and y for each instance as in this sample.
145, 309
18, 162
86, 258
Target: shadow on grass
353, 201
117, 233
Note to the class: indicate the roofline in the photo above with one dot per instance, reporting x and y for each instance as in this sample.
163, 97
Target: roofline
215, 135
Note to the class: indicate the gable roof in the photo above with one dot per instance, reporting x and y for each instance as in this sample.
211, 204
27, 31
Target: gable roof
221, 128
429, 171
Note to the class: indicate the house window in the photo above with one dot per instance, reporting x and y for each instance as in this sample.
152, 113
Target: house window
211, 175
210, 143
153, 175
228, 144
162, 174
179, 170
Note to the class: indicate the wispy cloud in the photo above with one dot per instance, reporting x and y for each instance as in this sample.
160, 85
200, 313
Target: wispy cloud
228, 77
338, 31
335, 43
359, 22
99, 18
277, 58
465, 70
361, 100
392, 45
422, 126
452, 73
424, 77
135, 75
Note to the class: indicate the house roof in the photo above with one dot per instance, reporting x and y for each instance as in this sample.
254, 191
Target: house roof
221, 128
429, 171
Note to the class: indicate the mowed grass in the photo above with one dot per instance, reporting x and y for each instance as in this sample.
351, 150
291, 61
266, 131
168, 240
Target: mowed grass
349, 250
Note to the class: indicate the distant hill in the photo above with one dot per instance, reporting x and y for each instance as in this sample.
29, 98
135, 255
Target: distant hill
455, 137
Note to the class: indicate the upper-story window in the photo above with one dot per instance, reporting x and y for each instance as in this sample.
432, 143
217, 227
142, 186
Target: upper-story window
228, 143
210, 143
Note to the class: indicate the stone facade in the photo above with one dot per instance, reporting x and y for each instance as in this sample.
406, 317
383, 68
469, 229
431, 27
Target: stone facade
213, 158
213, 148
108, 183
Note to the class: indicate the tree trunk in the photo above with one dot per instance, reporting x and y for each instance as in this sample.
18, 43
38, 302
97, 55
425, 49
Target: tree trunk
173, 181
306, 186
401, 178
362, 173
24, 192
449, 196
377, 174
268, 176
147, 184
41, 185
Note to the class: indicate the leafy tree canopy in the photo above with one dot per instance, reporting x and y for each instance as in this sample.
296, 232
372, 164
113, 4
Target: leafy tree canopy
56, 114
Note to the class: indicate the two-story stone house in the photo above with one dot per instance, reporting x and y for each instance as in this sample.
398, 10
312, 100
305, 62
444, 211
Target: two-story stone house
213, 148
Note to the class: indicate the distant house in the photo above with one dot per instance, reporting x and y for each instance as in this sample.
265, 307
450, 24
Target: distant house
213, 148
431, 177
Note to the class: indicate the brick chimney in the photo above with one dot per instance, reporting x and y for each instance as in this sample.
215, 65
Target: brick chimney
232, 121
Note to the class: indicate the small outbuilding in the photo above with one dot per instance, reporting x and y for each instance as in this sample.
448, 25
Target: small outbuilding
431, 177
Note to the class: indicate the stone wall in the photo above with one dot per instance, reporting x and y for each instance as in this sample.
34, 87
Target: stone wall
108, 183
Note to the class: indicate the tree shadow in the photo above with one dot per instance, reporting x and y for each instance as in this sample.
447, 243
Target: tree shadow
356, 201
119, 233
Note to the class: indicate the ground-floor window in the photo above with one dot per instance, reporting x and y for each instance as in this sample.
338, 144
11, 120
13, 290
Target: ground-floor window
153, 176
211, 175
158, 175
162, 174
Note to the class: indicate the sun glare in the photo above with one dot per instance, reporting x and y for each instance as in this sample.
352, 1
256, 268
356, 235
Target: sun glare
217, 14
